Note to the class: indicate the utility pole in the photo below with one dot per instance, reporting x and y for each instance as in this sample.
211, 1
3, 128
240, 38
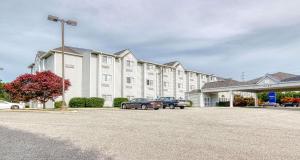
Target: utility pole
63, 22
243, 76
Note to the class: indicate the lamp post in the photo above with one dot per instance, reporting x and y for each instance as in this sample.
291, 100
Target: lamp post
63, 22
1, 69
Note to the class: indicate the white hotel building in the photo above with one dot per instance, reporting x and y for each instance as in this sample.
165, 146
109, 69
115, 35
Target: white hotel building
122, 74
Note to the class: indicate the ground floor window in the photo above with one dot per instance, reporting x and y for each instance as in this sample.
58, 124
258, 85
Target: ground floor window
207, 101
130, 97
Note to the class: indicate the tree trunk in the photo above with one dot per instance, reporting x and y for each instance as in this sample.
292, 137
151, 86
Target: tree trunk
44, 105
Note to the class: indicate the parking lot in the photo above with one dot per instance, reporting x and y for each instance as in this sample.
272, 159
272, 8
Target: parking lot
189, 134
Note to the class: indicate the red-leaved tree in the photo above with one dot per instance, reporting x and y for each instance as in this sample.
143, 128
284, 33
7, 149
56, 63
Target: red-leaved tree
42, 87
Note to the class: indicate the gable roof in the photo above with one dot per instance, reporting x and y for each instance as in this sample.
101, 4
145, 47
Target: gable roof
74, 50
173, 63
223, 83
279, 76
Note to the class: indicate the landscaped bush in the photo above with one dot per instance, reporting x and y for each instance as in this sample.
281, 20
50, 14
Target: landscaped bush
190, 103
77, 102
223, 104
58, 104
94, 102
241, 101
118, 101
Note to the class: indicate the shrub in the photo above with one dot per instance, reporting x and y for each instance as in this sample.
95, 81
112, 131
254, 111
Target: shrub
118, 101
223, 104
27, 106
190, 103
77, 102
58, 104
241, 101
94, 102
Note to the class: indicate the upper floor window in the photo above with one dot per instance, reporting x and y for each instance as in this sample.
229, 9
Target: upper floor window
166, 84
166, 70
106, 60
150, 66
149, 82
129, 80
179, 85
129, 63
192, 87
106, 78
178, 72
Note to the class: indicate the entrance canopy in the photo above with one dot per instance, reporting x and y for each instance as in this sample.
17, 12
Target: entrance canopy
270, 82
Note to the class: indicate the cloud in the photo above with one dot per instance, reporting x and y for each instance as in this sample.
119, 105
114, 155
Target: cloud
224, 37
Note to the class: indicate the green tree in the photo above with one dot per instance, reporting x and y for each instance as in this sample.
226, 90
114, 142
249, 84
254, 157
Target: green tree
3, 94
263, 96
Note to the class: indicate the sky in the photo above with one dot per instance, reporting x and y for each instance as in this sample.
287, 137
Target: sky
221, 37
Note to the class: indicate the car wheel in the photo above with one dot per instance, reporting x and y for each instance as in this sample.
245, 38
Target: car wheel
144, 107
156, 108
124, 106
15, 107
164, 107
172, 106
181, 107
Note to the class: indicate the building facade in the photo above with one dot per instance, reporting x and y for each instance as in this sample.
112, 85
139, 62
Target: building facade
122, 74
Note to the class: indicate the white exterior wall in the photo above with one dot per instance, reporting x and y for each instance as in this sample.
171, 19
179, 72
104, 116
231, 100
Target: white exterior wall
180, 82
150, 74
168, 82
73, 72
130, 90
106, 78
91, 76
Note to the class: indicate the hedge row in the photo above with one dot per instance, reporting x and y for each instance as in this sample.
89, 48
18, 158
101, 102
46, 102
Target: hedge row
118, 101
93, 102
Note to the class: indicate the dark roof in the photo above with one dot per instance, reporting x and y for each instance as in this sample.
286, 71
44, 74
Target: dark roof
120, 52
171, 63
296, 78
74, 50
280, 76
223, 83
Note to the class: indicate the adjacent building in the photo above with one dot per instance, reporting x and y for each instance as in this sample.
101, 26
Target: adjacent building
98, 74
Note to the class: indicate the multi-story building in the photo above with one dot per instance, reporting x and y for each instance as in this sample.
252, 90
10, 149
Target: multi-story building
122, 74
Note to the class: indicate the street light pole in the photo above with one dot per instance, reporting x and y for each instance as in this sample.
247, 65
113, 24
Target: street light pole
63, 63
1, 69
72, 23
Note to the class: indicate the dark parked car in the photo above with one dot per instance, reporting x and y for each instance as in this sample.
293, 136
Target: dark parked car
290, 104
141, 103
171, 102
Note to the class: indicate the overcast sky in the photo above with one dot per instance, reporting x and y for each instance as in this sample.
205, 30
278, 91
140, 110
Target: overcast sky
222, 37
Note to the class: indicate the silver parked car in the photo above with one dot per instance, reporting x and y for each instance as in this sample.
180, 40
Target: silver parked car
9, 105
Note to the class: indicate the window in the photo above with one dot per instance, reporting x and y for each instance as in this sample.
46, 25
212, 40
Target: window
179, 72
107, 97
166, 84
179, 85
106, 78
192, 87
129, 80
166, 70
129, 63
130, 97
150, 67
149, 82
106, 60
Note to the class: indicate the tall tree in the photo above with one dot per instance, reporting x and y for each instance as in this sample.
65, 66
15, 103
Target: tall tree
42, 87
